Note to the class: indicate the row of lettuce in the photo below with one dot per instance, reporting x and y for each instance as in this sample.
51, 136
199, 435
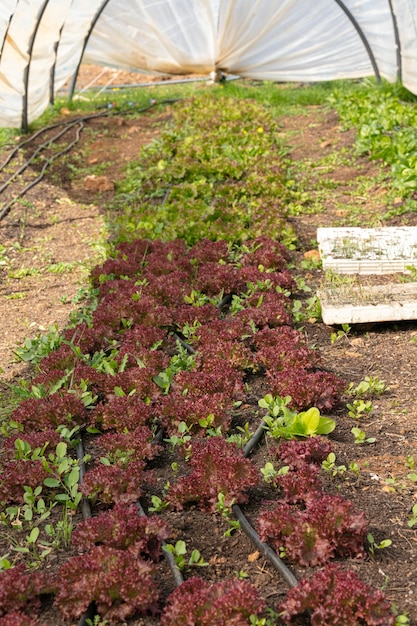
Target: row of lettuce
195, 300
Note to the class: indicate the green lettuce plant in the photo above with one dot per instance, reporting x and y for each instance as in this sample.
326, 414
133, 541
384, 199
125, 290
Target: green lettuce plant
283, 423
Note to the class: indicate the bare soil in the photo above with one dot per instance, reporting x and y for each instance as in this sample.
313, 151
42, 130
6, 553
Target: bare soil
62, 220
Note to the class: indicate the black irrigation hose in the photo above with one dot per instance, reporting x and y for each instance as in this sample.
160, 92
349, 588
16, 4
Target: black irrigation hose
85, 505
225, 301
87, 618
68, 125
91, 611
254, 440
26, 164
169, 557
83, 118
184, 344
266, 550
263, 547
8, 206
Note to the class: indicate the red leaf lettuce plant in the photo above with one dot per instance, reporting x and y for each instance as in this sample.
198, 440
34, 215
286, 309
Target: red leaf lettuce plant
200, 603
119, 585
321, 526
336, 597
218, 467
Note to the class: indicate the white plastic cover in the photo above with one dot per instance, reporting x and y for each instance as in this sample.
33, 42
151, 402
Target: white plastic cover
42, 42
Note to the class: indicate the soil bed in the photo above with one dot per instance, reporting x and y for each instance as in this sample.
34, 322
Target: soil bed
62, 221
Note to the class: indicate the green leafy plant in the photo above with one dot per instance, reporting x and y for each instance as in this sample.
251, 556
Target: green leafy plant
34, 350
179, 552
26, 522
270, 620
360, 408
354, 467
308, 310
183, 437
372, 545
341, 333
360, 436
385, 125
283, 423
96, 621
182, 361
64, 478
226, 512
269, 472
158, 504
329, 465
370, 385
413, 517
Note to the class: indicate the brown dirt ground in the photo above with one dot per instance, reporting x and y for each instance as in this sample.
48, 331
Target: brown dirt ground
61, 221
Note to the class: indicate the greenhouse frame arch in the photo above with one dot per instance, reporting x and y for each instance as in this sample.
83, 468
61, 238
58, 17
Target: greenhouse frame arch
44, 42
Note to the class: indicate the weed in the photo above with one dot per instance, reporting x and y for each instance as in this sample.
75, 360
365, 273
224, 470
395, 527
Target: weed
96, 621
308, 310
401, 619
183, 437
242, 437
412, 476
270, 473
271, 620
354, 467
158, 504
282, 422
62, 267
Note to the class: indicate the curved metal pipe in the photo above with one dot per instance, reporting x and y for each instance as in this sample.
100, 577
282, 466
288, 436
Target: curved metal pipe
52, 75
361, 34
86, 39
27, 68
5, 35
397, 42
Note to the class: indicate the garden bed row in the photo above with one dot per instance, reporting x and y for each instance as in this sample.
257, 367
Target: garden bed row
167, 353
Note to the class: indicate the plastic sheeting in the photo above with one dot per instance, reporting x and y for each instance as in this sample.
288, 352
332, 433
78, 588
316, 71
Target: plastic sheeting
43, 42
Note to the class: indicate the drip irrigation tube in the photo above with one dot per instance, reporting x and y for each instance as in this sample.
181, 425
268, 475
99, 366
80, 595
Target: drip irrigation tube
266, 550
39, 149
83, 118
8, 206
85, 504
91, 611
254, 440
169, 557
68, 125
184, 344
